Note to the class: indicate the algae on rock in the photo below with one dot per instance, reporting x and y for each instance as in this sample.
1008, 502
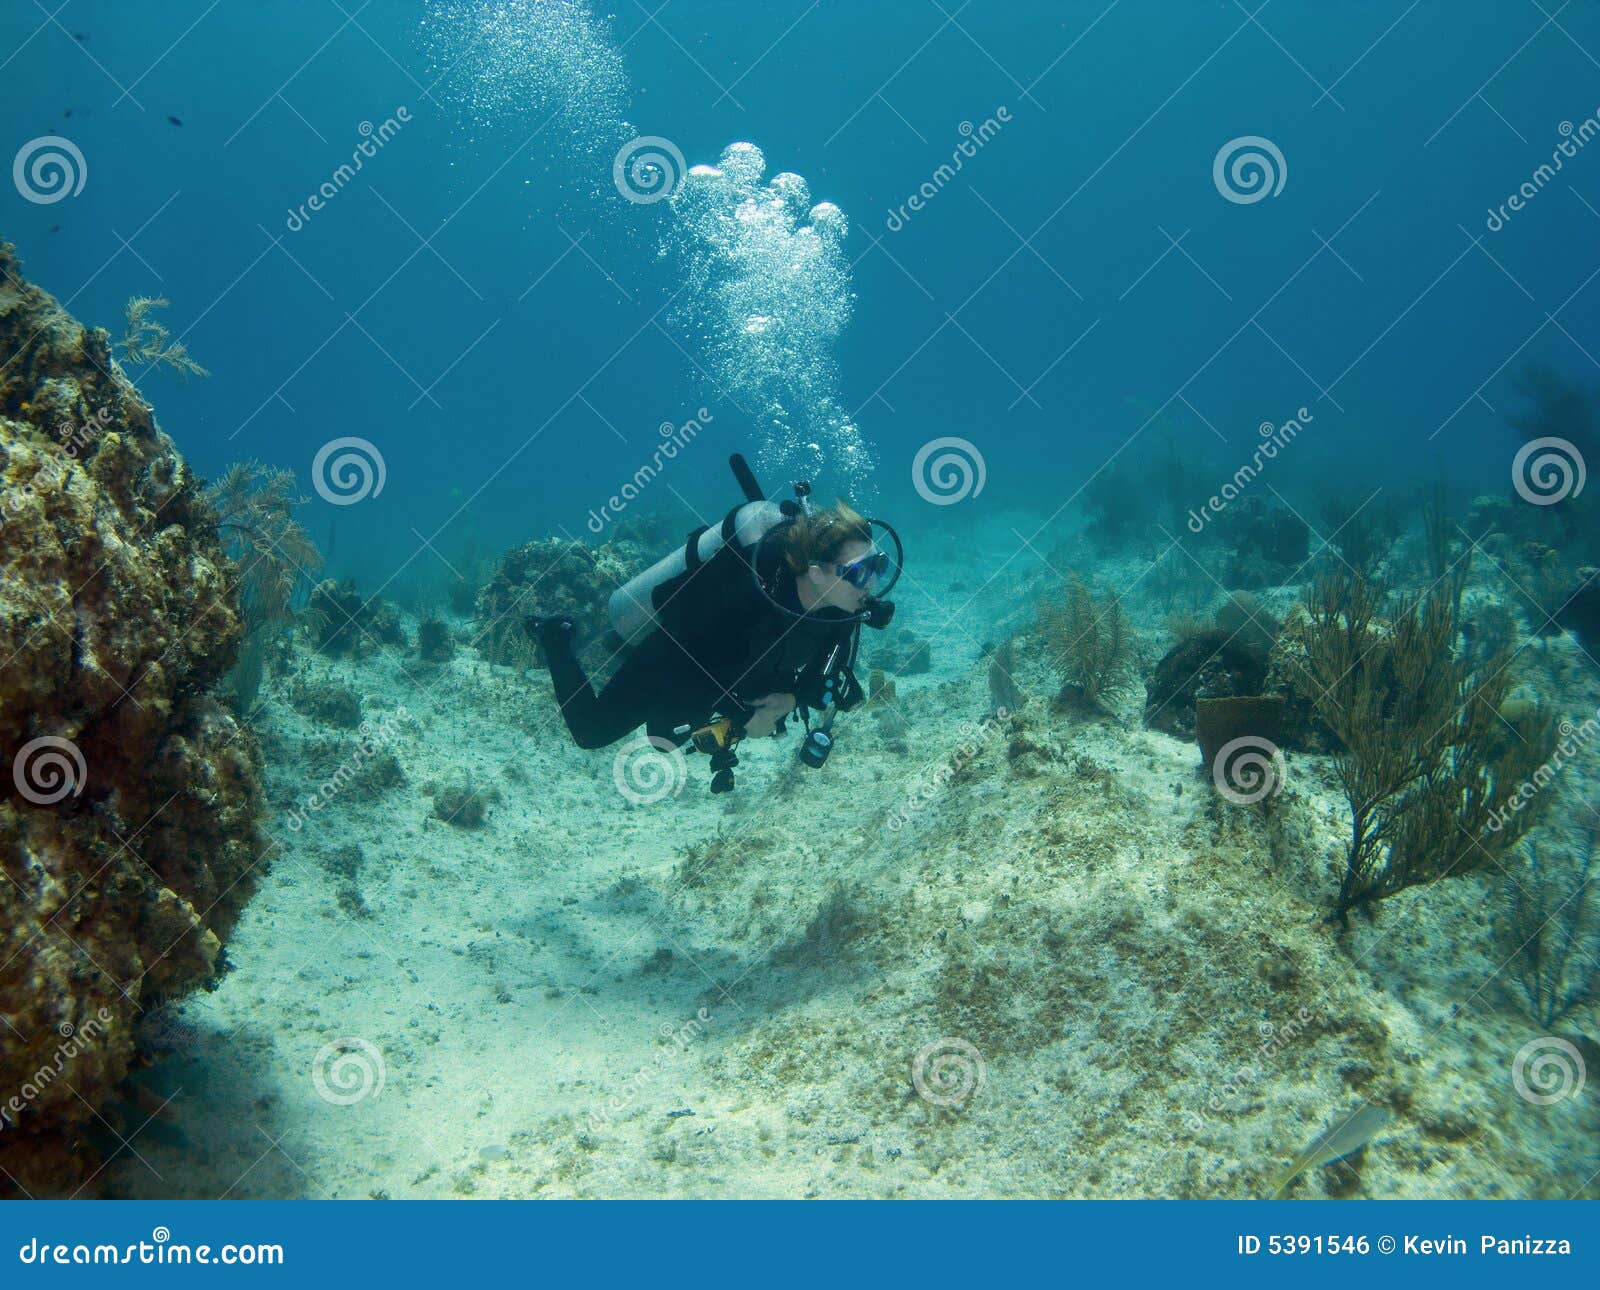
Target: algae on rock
130, 802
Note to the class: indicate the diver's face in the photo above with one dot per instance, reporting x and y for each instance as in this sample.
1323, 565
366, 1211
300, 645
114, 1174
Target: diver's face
832, 590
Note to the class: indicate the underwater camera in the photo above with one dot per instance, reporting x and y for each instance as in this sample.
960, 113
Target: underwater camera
814, 751
818, 743
718, 739
722, 764
718, 736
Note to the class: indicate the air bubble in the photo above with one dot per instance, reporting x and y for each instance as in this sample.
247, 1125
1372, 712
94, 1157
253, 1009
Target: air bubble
768, 287
526, 64
743, 163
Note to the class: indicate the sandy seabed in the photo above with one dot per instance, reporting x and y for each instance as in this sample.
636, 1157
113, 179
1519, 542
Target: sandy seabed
1072, 970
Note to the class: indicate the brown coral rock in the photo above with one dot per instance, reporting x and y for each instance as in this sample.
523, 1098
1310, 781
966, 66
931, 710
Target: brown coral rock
129, 798
550, 576
1220, 720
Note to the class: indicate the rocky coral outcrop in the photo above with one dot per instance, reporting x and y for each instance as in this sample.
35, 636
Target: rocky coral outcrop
1207, 663
129, 798
1268, 544
550, 576
351, 624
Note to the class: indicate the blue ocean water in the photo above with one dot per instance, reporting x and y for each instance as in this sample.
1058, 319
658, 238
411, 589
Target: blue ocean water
481, 304
465, 267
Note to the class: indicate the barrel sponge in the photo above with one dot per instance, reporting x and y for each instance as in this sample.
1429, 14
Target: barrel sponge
130, 799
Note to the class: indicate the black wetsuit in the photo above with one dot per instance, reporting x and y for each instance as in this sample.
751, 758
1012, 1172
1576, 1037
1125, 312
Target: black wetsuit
720, 646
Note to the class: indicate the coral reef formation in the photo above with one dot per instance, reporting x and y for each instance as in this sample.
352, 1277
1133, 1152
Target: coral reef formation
1268, 543
1289, 676
1209, 662
348, 624
906, 654
1027, 954
1222, 720
325, 701
129, 797
550, 576
434, 642
1005, 694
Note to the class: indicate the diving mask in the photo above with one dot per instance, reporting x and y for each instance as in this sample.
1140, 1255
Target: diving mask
870, 573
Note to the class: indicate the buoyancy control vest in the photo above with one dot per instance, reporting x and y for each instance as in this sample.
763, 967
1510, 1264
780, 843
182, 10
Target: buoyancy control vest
636, 606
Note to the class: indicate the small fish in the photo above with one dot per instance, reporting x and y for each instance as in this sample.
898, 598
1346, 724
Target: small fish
55, 228
174, 120
1346, 1136
80, 35
673, 1115
68, 112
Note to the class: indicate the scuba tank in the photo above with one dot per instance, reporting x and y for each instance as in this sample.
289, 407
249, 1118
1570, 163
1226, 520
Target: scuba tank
635, 610
633, 606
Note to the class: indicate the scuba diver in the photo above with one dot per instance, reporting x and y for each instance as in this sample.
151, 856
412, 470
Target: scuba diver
747, 622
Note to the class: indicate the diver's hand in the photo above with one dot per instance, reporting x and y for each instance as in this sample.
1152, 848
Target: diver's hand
769, 710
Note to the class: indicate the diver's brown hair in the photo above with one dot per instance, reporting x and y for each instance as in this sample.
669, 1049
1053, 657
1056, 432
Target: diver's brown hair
819, 537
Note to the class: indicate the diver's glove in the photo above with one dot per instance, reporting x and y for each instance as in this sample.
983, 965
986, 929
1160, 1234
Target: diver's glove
552, 633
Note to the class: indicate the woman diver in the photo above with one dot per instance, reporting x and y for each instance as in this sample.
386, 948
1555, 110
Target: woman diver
746, 623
